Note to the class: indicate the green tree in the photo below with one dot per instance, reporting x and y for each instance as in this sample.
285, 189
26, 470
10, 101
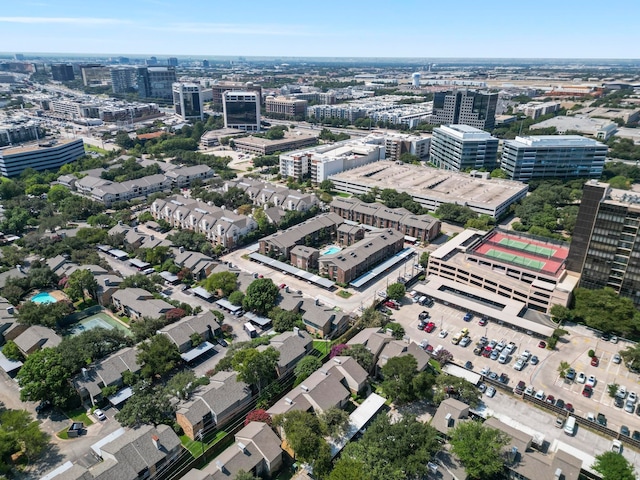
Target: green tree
398, 374
394, 451
158, 356
12, 352
254, 367
285, 320
261, 296
82, 282
361, 355
326, 186
450, 212
498, 173
44, 377
182, 384
305, 367
563, 367
396, 291
631, 356
397, 330
347, 468
148, 405
223, 282
236, 298
372, 318
156, 255
605, 310
465, 391
146, 328
424, 259
613, 466
479, 448
20, 433
48, 315
139, 280
303, 433
101, 220
334, 422
242, 475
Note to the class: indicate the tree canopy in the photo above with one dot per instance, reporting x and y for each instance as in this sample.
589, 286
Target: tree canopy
158, 356
82, 281
450, 212
479, 448
394, 451
285, 320
305, 367
254, 367
149, 405
225, 282
605, 310
396, 291
261, 296
20, 433
451, 386
403, 383
613, 466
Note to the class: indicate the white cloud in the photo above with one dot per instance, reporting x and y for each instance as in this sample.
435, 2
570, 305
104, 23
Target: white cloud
63, 20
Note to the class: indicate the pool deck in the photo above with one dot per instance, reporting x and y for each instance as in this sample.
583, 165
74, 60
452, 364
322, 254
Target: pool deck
59, 295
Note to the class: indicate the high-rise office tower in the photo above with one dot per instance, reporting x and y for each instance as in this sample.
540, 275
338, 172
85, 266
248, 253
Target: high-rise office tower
553, 156
152, 61
205, 64
172, 61
62, 72
187, 100
155, 82
241, 110
465, 107
605, 247
461, 147
123, 80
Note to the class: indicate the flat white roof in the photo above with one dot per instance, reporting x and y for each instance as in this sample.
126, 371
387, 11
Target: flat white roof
460, 372
358, 419
58, 471
96, 447
554, 141
464, 132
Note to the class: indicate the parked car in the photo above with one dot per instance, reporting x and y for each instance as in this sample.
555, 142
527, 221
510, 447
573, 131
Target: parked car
43, 406
621, 392
468, 365
614, 339
468, 317
486, 352
629, 407
485, 371
519, 365
222, 342
483, 321
429, 327
539, 395
560, 403
443, 333
381, 293
591, 381
602, 420
526, 355
421, 325
571, 374
528, 390
482, 387
616, 358
423, 315
618, 402
587, 391
99, 414
493, 376
490, 392
636, 435
534, 360
581, 378
632, 397
624, 430
542, 344
594, 361
391, 304
503, 378
494, 355
568, 407
503, 358
465, 341
616, 446
519, 388
511, 348
551, 400
477, 351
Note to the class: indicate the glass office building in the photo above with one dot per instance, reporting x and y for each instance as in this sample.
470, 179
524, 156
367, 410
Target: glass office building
241, 111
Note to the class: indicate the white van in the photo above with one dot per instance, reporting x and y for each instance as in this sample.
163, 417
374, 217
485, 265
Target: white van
251, 330
570, 426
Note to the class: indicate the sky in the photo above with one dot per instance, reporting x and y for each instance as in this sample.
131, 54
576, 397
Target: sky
328, 28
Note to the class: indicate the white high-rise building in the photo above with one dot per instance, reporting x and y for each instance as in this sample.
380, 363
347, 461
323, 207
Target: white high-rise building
415, 80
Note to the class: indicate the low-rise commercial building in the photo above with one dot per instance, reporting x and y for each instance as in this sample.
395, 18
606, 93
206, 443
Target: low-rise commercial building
422, 227
516, 266
266, 146
286, 107
432, 187
357, 259
598, 128
43, 156
553, 156
461, 147
538, 109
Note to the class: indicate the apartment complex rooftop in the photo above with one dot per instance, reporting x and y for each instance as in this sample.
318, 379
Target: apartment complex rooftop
432, 187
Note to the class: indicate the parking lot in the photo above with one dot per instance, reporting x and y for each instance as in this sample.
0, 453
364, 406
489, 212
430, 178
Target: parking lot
543, 376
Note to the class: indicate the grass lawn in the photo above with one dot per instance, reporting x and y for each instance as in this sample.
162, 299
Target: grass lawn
343, 195
322, 346
93, 148
79, 415
63, 434
195, 446
344, 294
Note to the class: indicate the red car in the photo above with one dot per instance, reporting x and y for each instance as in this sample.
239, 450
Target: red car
486, 352
391, 305
594, 361
482, 322
568, 407
430, 327
542, 344
587, 391
282, 285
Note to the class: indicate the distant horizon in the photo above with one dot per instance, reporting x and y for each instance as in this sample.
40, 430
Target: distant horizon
315, 57
413, 29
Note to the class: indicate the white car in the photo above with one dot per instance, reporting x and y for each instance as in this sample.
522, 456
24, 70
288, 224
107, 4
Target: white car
465, 341
482, 387
632, 397
443, 333
503, 358
616, 446
622, 391
539, 395
99, 414
591, 381
382, 294
519, 365
629, 406
528, 390
616, 358
526, 355
490, 392
485, 371
581, 378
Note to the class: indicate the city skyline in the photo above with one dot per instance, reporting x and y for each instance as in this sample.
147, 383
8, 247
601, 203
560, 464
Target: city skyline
544, 29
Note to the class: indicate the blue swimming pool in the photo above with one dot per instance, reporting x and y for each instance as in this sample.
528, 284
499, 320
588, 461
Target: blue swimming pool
43, 297
331, 249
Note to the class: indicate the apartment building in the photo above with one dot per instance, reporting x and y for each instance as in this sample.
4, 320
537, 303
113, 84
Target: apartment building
286, 107
461, 147
321, 112
321, 228
319, 163
49, 155
263, 194
351, 262
606, 240
123, 79
421, 227
465, 107
219, 225
516, 266
553, 156
20, 132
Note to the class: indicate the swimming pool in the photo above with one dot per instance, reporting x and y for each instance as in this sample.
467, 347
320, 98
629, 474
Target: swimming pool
99, 320
43, 297
331, 249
